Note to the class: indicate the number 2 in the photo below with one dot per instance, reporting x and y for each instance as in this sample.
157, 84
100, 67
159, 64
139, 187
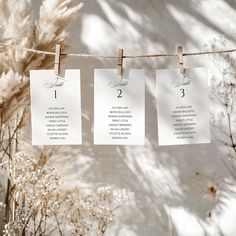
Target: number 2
120, 93
183, 93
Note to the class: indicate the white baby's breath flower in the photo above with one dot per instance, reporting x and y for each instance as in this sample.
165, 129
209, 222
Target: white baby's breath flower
2, 206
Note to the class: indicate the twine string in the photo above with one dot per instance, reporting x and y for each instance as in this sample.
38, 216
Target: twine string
115, 57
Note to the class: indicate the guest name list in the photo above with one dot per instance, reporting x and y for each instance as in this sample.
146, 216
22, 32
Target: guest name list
182, 107
55, 108
119, 108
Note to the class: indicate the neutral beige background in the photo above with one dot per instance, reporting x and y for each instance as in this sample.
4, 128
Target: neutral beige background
162, 178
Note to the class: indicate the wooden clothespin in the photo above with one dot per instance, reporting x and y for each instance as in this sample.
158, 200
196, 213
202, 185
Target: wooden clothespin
120, 62
57, 59
180, 59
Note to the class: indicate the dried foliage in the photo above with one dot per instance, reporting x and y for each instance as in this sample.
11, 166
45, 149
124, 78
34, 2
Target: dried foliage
224, 94
21, 29
42, 207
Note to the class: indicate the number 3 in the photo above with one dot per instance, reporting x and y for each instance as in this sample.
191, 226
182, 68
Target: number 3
183, 93
120, 93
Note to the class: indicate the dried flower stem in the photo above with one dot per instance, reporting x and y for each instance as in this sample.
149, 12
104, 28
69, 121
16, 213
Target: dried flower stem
233, 144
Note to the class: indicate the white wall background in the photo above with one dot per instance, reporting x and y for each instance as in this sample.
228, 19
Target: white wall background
169, 199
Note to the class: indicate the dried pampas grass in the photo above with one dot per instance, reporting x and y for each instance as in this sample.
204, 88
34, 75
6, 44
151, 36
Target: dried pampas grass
21, 29
18, 27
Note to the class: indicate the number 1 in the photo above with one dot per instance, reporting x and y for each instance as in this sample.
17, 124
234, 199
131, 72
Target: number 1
55, 93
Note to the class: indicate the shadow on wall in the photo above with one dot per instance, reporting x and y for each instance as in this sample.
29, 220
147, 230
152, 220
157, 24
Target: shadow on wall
160, 177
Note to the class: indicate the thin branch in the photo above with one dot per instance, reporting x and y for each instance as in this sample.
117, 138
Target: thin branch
230, 130
58, 224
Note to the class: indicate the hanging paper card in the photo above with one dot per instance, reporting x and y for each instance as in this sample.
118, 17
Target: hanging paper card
119, 107
182, 107
55, 107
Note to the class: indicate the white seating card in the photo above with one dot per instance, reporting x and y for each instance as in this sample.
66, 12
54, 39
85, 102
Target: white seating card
182, 107
119, 107
55, 108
